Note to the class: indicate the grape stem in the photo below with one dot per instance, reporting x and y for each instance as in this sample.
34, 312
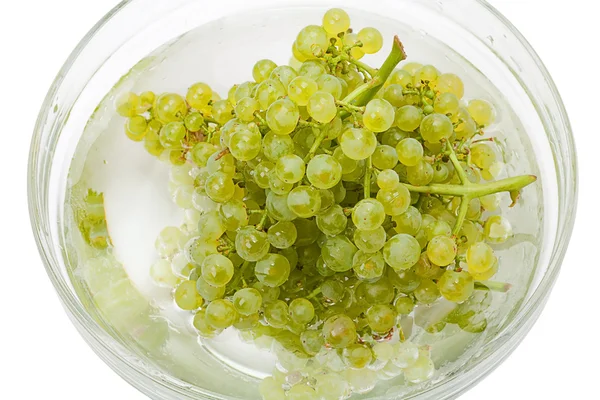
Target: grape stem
359, 64
314, 293
349, 107
368, 172
262, 222
501, 287
316, 144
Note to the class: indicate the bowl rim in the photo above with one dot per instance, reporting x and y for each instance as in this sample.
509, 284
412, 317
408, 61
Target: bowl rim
448, 388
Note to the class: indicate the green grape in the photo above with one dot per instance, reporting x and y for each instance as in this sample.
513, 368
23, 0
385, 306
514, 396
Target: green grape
233, 214
384, 157
277, 314
284, 74
276, 146
381, 318
308, 232
302, 392
335, 21
217, 270
245, 144
357, 356
301, 311
199, 95
332, 130
467, 128
220, 314
310, 39
427, 74
304, 201
436, 127
480, 258
408, 222
410, 152
370, 241
172, 134
277, 185
404, 305
222, 111
197, 249
186, 296
339, 331
441, 173
129, 105
353, 79
247, 322
427, 292
351, 40
450, 83
421, 174
332, 221
333, 291
497, 229
379, 115
277, 207
225, 164
408, 118
368, 214
247, 301
368, 266
283, 116
358, 144
401, 251
201, 325
412, 67
230, 127
482, 112
268, 294
301, 89
330, 84
324, 171
339, 192
491, 202
441, 250
251, 244
261, 174
272, 270
426, 269
136, 127
282, 235
401, 77
268, 92
312, 341
379, 292
447, 103
193, 122
327, 199
438, 228
170, 241
262, 70
388, 179
219, 187
422, 370
395, 201
405, 354
290, 168
394, 95
456, 286
338, 253
246, 108
321, 107
406, 281
482, 155
348, 165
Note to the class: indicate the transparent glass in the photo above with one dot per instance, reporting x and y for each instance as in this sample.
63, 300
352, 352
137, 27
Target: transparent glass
134, 29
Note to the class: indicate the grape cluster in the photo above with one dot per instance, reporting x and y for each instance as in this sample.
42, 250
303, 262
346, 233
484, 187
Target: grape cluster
324, 201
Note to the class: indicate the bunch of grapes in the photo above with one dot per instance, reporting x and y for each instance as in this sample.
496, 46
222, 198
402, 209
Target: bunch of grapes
324, 201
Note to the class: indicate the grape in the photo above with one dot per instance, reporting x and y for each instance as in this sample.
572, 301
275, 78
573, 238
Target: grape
277, 207
268, 92
351, 40
404, 305
282, 234
497, 229
301, 89
308, 232
290, 168
427, 74
395, 201
262, 70
197, 249
172, 134
409, 222
348, 165
401, 77
283, 116
246, 108
382, 318
338, 253
269, 294
421, 371
304, 201
312, 341
450, 83
302, 392
353, 79
339, 331
491, 202
219, 187
310, 39
333, 291
482, 112
333, 221
405, 355
480, 258
128, 105
170, 241
277, 185
217, 270
427, 292
199, 95
447, 103
357, 356
222, 111
335, 21
379, 115
284, 74
225, 164
276, 146
410, 152
261, 174
436, 127
201, 325
244, 90
251, 244
388, 179
272, 270
384, 157
408, 118
421, 174
330, 84
370, 241
277, 314
162, 274
401, 251
425, 269
406, 281
301, 311
368, 266
321, 107
327, 200
247, 301
332, 131
324, 172
220, 314
270, 389
456, 286
441, 250
378, 292
482, 155
368, 214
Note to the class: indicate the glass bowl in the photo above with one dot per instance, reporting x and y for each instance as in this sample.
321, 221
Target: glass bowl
233, 35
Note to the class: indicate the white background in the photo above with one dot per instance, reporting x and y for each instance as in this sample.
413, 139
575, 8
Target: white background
42, 356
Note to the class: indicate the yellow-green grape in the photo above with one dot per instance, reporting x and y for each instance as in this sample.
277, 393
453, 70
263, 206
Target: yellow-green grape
301, 311
172, 134
408, 118
221, 314
298, 56
456, 286
321, 107
272, 270
277, 314
147, 100
277, 185
302, 392
480, 258
467, 128
231, 95
379, 115
401, 77
368, 214
203, 328
338, 253
388, 179
170, 241
441, 173
128, 105
245, 144
222, 111
410, 152
233, 214
351, 40
199, 95
276, 146
270, 389
209, 292
327, 199
335, 21
353, 79
482, 112
282, 235
381, 318
290, 168
427, 292
301, 89
409, 222
420, 174
332, 221
371, 39
491, 202
312, 69
357, 356
368, 266
194, 121
247, 301
412, 67
486, 275
324, 171
427, 74
441, 250
268, 92
245, 109
482, 155
422, 370
262, 70
304, 201
332, 130
177, 156
395, 201
201, 152
404, 305
384, 157
311, 39
219, 187
438, 228
152, 139
494, 171
217, 270
497, 229
330, 84
436, 127
358, 143
339, 331
229, 129
244, 90
277, 207
401, 251
406, 281
251, 244
348, 165
450, 83
136, 128
446, 103
394, 95
162, 274
283, 116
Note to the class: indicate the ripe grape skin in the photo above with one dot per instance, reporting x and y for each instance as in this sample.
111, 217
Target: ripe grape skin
456, 286
269, 91
381, 317
247, 301
410, 152
245, 144
272, 270
408, 118
351, 39
333, 221
301, 311
186, 297
395, 201
324, 171
441, 250
480, 258
368, 266
276, 146
321, 107
335, 21
339, 331
251, 244
436, 127
357, 356
401, 251
358, 143
304, 201
370, 241
482, 112
427, 292
220, 314
282, 235
497, 229
384, 157
450, 83
421, 174
409, 222
310, 37
371, 39
219, 187
379, 115
283, 116
388, 179
330, 84
290, 168
283, 74
301, 89
217, 270
277, 207
368, 214
338, 253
